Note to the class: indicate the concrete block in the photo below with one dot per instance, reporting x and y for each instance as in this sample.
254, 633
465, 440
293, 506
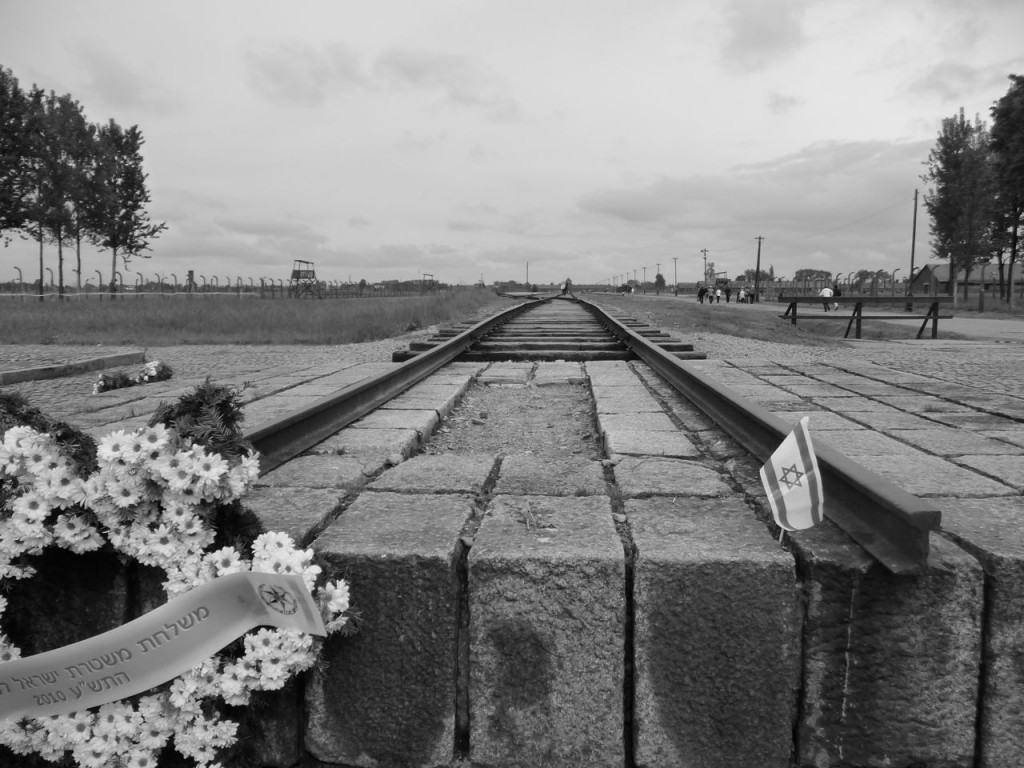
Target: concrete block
71, 597
656, 476
613, 403
386, 696
547, 607
716, 637
371, 442
424, 421
945, 441
324, 471
295, 511
526, 475
438, 473
891, 663
558, 373
991, 530
921, 474
643, 422
632, 442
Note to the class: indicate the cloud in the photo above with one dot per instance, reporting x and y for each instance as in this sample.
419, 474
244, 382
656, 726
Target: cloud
486, 218
461, 80
779, 103
761, 32
836, 197
121, 84
299, 73
953, 80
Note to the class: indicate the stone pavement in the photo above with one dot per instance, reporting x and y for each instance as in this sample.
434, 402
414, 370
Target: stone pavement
734, 644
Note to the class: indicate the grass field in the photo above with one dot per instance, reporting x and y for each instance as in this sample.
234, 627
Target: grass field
223, 320
154, 322
685, 314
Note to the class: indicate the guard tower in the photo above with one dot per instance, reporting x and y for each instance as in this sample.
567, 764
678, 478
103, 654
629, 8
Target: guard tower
304, 282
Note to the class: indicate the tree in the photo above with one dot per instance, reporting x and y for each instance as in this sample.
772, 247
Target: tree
812, 275
117, 216
751, 274
13, 153
1007, 146
961, 203
64, 131
659, 282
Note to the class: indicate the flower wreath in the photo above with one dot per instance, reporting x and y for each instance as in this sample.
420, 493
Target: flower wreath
162, 497
154, 370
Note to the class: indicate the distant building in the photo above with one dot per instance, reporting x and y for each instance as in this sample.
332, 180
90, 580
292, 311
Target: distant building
936, 277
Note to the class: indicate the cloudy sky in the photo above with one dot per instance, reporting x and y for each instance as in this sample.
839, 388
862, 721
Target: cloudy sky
506, 139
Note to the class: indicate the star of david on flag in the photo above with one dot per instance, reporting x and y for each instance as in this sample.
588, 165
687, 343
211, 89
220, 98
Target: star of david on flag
793, 482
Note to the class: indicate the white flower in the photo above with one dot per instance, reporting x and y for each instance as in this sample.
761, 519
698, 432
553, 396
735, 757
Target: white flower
335, 595
226, 560
32, 505
112, 447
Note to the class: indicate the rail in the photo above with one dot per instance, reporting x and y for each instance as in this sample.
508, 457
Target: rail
284, 438
890, 523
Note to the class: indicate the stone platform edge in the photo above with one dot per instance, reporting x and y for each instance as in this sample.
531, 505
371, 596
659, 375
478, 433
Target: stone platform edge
66, 369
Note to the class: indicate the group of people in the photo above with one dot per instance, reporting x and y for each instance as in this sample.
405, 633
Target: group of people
743, 296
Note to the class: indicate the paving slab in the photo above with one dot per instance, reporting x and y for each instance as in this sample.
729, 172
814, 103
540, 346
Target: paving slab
945, 441
635, 389
438, 473
915, 402
324, 471
978, 420
638, 476
547, 636
525, 475
604, 403
764, 393
992, 530
1008, 469
891, 663
861, 442
506, 373
819, 421
924, 475
633, 442
558, 373
717, 636
885, 421
371, 442
690, 416
386, 696
646, 422
854, 404
424, 421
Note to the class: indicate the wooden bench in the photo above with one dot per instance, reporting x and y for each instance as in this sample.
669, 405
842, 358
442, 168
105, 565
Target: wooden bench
859, 302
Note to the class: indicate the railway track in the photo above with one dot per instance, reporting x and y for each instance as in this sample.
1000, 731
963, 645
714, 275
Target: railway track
892, 525
567, 562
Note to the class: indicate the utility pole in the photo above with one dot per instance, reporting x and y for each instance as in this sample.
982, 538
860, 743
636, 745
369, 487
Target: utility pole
656, 279
913, 240
705, 252
645, 278
675, 274
757, 271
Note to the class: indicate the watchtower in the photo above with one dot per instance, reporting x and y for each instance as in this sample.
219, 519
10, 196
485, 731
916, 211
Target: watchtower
304, 282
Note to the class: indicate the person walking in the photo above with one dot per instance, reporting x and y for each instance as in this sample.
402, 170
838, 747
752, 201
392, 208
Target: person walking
826, 294
701, 293
718, 295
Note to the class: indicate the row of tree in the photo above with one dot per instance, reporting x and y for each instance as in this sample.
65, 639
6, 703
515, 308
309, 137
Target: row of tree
976, 200
65, 181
